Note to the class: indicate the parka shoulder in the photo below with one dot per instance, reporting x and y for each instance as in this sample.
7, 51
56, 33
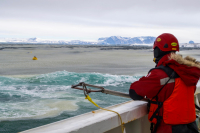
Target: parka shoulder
188, 61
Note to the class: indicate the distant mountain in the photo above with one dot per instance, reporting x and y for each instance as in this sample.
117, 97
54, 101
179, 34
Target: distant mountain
32, 39
118, 40
113, 40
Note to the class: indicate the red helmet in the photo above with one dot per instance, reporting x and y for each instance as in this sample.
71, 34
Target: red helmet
166, 42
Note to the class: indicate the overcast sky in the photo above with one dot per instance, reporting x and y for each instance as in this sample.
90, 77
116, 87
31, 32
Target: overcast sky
92, 19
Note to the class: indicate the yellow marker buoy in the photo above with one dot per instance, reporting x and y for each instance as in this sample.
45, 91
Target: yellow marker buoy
34, 58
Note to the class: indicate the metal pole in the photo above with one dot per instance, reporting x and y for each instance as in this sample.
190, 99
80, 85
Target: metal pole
116, 93
106, 91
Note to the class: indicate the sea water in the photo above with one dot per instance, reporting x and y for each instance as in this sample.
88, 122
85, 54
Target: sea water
31, 101
28, 102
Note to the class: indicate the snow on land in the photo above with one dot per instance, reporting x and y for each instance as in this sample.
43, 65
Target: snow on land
105, 41
141, 44
142, 39
190, 45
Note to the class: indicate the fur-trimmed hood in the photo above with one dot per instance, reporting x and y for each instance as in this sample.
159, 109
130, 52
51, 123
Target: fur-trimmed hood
187, 68
188, 61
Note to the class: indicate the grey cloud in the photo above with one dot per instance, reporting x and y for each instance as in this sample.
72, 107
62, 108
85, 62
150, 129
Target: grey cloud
101, 6
105, 12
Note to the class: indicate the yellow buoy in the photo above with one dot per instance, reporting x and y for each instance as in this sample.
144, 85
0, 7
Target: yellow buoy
34, 58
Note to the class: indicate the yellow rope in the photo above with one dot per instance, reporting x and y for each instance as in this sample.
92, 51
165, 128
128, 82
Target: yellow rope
90, 99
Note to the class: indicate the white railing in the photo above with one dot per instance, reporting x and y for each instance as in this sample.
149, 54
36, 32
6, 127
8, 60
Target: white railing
133, 114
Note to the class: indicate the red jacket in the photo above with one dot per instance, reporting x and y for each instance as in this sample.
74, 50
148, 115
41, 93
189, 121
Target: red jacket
150, 85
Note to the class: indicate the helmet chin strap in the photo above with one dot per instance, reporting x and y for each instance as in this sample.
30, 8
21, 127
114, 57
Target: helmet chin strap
154, 59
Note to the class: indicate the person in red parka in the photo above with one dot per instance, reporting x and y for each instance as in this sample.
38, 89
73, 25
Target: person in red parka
170, 86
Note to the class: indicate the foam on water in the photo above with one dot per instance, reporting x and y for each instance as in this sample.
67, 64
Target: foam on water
49, 95
35, 109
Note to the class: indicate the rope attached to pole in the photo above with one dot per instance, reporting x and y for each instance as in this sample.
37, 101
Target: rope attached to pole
90, 99
85, 90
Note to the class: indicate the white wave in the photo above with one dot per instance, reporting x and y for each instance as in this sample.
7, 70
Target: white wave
38, 97
38, 91
83, 79
115, 80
